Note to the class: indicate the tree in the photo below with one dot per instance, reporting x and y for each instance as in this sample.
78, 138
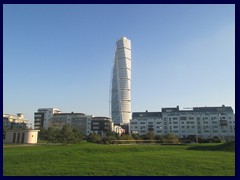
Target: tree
66, 135
126, 137
93, 137
78, 135
110, 138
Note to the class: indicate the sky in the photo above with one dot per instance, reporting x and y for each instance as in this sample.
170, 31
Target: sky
61, 56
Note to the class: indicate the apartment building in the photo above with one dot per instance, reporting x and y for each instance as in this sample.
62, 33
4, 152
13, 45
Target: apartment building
76, 120
202, 122
100, 125
42, 116
14, 121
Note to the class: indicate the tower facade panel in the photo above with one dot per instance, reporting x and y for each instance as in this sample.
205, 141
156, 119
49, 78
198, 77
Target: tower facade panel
121, 83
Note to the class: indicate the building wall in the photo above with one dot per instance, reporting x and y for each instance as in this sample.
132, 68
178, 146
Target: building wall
14, 121
101, 125
47, 114
76, 120
38, 120
121, 83
21, 136
204, 124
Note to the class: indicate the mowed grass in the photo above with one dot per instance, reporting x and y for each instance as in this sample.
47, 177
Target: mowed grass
87, 159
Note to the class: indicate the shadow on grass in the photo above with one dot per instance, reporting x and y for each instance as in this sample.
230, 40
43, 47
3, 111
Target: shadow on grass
229, 146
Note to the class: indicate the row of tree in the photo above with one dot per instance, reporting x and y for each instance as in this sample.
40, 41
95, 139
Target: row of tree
71, 135
113, 138
66, 135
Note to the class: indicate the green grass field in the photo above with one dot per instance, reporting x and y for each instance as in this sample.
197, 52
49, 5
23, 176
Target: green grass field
87, 159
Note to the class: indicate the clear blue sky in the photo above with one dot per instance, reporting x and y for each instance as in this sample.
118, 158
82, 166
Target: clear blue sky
62, 55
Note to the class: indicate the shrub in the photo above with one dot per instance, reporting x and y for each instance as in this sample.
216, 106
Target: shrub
93, 137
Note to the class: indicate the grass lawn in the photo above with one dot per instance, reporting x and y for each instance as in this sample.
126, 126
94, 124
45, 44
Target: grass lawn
87, 159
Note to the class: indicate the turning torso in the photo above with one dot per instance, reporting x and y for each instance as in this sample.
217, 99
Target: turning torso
121, 83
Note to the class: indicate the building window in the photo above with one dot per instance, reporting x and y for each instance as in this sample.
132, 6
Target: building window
183, 118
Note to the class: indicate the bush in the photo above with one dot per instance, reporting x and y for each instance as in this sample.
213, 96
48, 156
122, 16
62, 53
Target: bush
66, 135
209, 140
170, 139
93, 137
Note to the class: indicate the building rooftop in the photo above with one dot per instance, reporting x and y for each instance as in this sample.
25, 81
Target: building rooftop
219, 109
147, 114
65, 114
100, 118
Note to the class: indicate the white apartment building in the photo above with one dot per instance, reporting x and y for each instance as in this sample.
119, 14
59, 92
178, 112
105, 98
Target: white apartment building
201, 122
14, 121
42, 117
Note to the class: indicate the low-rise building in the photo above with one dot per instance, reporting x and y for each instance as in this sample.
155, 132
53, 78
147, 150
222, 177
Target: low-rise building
21, 136
118, 129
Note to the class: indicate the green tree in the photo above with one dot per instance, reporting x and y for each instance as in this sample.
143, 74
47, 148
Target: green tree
52, 135
110, 138
66, 135
126, 137
78, 135
93, 137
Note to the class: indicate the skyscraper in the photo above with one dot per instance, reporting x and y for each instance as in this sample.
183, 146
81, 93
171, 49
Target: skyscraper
121, 83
